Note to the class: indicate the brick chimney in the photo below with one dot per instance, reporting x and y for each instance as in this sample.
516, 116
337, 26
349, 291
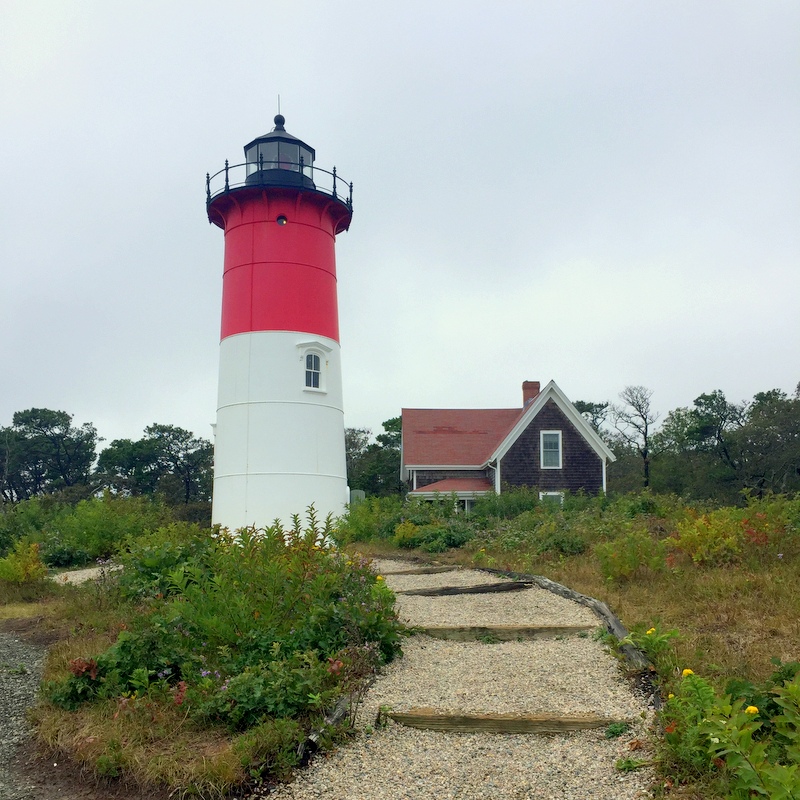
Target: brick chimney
530, 391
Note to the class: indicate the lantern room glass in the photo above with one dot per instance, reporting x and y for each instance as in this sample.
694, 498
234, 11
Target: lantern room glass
276, 154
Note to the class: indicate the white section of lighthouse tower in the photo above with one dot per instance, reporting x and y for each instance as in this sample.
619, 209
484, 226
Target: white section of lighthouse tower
279, 437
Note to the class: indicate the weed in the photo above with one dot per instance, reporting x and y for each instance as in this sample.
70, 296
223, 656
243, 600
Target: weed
617, 729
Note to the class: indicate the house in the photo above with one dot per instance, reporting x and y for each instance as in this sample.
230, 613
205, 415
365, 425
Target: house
467, 452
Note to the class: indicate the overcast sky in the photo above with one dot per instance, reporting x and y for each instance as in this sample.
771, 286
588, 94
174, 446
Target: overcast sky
601, 193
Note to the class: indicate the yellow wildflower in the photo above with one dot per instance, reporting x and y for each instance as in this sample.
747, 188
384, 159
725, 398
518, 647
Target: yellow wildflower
670, 696
751, 710
651, 631
379, 578
687, 672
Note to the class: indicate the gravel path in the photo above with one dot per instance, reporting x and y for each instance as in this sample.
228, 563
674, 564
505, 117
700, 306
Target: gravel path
528, 607
570, 676
20, 673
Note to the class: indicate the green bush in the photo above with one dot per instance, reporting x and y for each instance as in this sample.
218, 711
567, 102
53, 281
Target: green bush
506, 505
26, 519
635, 551
150, 558
373, 518
23, 566
264, 618
97, 528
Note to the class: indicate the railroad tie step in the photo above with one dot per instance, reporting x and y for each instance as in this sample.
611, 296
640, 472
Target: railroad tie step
432, 720
481, 588
505, 633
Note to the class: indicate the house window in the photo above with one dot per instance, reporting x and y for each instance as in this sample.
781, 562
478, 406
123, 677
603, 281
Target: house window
313, 370
550, 449
552, 497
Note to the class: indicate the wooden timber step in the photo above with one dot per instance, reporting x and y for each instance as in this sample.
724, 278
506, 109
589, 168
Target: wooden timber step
423, 570
505, 633
432, 720
481, 588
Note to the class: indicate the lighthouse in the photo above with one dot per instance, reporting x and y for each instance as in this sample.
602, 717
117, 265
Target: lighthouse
279, 435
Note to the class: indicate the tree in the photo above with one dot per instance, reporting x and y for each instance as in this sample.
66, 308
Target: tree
375, 467
42, 453
167, 460
594, 413
356, 441
634, 423
769, 443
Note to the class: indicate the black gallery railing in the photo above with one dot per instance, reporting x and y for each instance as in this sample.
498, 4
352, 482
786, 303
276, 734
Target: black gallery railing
282, 173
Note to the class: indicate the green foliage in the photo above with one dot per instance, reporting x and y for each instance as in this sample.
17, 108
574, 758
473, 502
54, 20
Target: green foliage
97, 528
634, 552
26, 518
506, 505
150, 559
23, 566
167, 461
761, 756
42, 452
261, 624
282, 687
433, 537
748, 738
657, 645
685, 742
617, 729
375, 467
729, 534
374, 518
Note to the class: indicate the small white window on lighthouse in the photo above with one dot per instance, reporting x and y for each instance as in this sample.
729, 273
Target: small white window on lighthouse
312, 371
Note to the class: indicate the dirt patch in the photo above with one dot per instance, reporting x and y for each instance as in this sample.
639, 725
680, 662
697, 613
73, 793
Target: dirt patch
52, 778
33, 630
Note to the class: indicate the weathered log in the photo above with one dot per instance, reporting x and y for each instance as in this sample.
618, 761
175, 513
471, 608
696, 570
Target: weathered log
430, 719
310, 746
504, 633
422, 570
483, 588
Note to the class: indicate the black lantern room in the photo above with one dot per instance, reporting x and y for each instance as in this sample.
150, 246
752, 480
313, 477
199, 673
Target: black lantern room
279, 159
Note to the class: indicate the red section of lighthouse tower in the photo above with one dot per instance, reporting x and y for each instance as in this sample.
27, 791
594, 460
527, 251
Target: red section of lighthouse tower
280, 262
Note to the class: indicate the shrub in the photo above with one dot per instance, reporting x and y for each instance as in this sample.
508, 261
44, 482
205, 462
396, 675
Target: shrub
373, 518
23, 566
634, 552
510, 503
262, 617
97, 528
151, 558
26, 519
270, 748
728, 534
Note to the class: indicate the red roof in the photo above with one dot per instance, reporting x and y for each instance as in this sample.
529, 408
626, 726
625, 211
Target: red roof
454, 436
457, 485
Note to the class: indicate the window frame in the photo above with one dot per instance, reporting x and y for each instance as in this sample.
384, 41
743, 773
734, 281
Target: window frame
314, 371
322, 352
542, 435
551, 496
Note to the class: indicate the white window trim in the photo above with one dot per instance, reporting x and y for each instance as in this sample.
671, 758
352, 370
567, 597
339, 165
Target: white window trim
560, 450
559, 495
314, 349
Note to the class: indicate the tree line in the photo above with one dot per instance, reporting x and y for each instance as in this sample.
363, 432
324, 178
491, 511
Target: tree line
711, 450
43, 453
714, 449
